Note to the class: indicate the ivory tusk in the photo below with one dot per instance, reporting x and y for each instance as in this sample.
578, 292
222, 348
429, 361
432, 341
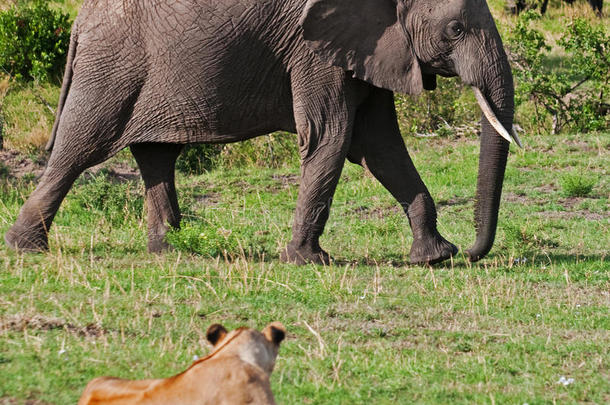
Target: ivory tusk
513, 134
493, 120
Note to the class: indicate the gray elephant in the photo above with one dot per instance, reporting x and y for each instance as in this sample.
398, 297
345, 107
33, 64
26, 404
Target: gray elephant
156, 75
520, 5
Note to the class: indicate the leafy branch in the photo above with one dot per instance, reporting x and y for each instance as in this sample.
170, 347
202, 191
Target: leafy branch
570, 91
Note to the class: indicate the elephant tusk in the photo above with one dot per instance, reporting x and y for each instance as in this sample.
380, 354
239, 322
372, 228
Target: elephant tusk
493, 120
513, 133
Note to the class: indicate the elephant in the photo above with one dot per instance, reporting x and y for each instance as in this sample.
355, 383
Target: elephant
521, 5
156, 75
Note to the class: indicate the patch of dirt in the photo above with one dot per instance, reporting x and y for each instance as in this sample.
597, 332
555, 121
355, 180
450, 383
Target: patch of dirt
588, 215
20, 165
365, 213
241, 184
20, 323
571, 202
452, 202
286, 180
575, 145
117, 172
208, 199
546, 188
516, 198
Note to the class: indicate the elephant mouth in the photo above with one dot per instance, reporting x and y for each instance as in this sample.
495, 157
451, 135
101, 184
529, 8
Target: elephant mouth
429, 73
429, 81
494, 121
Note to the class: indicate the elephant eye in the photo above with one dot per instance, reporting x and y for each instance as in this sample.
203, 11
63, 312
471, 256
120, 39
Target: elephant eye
455, 29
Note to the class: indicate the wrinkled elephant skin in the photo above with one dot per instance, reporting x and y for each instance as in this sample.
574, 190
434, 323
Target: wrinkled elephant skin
154, 76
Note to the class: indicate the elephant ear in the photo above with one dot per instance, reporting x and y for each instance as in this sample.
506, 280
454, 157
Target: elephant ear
365, 37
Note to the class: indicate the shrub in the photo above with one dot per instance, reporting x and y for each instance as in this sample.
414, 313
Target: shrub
571, 92
577, 184
34, 40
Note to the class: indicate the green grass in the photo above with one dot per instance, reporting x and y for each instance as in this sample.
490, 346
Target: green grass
504, 330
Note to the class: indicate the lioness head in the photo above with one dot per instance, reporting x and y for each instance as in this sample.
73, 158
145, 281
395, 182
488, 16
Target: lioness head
257, 348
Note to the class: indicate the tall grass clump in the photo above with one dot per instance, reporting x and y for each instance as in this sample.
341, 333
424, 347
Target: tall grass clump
101, 194
577, 184
211, 237
274, 150
207, 239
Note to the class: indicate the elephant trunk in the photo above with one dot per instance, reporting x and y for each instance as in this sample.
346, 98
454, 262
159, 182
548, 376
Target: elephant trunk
498, 91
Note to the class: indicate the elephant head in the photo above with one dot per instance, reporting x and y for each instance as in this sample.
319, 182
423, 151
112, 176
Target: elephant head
401, 45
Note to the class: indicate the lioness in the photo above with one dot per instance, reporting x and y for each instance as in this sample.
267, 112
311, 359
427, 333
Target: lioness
235, 372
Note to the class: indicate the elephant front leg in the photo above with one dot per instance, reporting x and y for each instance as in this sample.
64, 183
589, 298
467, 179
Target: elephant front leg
157, 166
378, 146
323, 148
313, 207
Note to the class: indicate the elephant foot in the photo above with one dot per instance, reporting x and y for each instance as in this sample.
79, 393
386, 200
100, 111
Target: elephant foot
304, 254
158, 244
25, 240
431, 251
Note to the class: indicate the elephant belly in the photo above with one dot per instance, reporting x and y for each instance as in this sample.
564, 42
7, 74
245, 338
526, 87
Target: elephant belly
214, 76
180, 117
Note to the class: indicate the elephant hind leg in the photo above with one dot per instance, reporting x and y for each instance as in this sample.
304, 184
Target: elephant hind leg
88, 133
30, 231
157, 165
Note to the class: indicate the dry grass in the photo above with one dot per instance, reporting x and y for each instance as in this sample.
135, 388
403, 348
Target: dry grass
35, 139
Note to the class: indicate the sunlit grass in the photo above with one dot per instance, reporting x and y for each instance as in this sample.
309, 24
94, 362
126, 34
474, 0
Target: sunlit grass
528, 324
368, 328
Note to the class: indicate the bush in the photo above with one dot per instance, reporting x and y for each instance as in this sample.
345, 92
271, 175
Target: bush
577, 184
570, 91
34, 41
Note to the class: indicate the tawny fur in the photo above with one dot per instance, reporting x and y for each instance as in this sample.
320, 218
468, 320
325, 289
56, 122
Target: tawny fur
236, 372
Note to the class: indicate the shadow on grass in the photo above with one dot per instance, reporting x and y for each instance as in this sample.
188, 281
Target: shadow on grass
561, 258
494, 260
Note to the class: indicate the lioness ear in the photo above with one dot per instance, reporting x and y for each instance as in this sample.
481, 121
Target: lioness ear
366, 37
275, 332
216, 333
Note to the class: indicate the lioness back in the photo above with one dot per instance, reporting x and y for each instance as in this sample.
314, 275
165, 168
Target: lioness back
115, 391
236, 372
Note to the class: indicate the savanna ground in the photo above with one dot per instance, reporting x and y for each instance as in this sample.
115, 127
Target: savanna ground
528, 324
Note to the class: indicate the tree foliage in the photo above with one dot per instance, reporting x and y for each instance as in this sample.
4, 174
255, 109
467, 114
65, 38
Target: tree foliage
573, 88
34, 40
